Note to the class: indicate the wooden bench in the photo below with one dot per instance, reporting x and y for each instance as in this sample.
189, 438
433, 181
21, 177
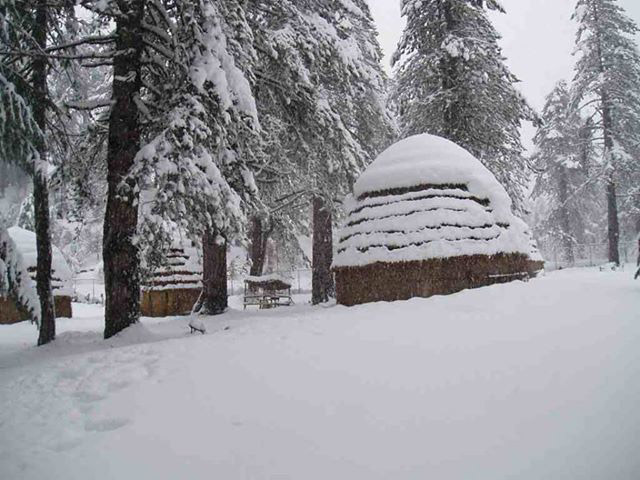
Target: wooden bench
266, 301
267, 291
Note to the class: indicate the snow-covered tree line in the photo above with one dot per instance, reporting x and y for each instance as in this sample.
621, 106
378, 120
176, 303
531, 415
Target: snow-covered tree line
587, 148
191, 118
236, 121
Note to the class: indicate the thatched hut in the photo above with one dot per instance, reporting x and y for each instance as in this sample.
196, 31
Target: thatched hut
427, 218
174, 288
61, 277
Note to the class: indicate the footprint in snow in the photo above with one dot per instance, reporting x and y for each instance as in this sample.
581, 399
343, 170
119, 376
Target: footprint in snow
64, 445
89, 397
105, 424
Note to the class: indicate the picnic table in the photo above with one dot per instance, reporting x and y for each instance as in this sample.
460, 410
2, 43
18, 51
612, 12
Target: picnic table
267, 291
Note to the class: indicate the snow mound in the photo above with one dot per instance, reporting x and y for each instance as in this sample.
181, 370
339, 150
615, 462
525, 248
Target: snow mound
428, 159
426, 197
61, 275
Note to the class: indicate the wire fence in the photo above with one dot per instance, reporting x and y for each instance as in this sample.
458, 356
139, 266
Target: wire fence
91, 290
587, 255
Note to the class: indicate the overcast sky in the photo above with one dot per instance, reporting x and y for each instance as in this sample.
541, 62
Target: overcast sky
537, 40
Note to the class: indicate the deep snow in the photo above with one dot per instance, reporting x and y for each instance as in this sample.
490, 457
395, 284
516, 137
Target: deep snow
537, 380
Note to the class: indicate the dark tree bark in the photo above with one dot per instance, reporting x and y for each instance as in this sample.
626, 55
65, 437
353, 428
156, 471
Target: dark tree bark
213, 299
40, 189
322, 286
120, 252
612, 221
449, 67
613, 230
259, 234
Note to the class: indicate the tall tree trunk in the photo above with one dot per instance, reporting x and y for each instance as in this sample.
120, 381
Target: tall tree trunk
322, 286
257, 251
449, 71
213, 299
613, 227
613, 230
613, 224
40, 189
120, 251
565, 217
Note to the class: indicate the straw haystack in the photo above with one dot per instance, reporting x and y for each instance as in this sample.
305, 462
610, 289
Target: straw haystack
174, 288
427, 218
61, 277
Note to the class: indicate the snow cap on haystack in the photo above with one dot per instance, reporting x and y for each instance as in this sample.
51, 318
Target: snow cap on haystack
426, 197
61, 275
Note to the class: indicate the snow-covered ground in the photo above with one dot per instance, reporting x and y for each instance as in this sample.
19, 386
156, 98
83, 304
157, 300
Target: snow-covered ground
537, 380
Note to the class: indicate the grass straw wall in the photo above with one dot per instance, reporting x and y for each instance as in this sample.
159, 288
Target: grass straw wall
9, 312
175, 288
165, 303
404, 280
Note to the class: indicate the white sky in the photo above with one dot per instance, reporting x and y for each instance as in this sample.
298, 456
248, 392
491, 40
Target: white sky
537, 40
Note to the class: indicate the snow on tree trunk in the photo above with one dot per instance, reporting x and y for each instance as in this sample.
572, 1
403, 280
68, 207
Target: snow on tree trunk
43, 264
40, 190
213, 300
120, 251
322, 286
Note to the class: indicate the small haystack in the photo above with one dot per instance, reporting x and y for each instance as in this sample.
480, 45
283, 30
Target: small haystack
61, 277
174, 288
427, 218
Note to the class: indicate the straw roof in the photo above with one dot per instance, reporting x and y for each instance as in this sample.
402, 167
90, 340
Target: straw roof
425, 198
61, 275
182, 270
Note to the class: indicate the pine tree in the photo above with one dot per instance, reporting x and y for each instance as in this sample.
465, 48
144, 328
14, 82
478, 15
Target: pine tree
194, 159
321, 96
607, 85
119, 247
26, 29
564, 184
451, 81
40, 184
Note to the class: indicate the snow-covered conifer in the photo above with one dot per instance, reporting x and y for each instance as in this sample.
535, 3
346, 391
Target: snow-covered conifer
193, 162
564, 187
451, 81
28, 28
607, 87
321, 95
